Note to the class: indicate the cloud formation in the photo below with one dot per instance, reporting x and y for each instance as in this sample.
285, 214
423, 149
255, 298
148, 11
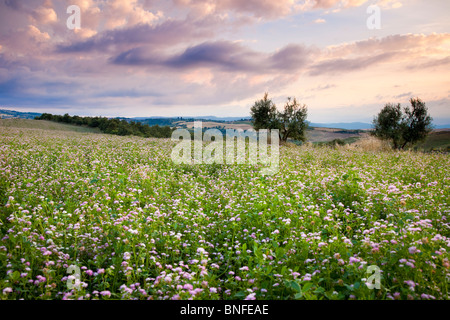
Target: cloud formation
222, 55
327, 4
193, 53
167, 33
258, 8
364, 54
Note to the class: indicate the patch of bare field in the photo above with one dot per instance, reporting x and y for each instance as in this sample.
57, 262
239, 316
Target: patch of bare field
328, 134
368, 143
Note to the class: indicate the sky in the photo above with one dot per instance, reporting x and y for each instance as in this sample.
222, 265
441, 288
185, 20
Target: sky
141, 58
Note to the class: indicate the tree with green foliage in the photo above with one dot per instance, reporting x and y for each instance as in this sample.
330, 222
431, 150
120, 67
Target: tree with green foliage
291, 123
387, 124
403, 128
112, 126
264, 114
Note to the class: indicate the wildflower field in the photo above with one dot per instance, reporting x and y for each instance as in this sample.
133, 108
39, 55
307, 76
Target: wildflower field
140, 227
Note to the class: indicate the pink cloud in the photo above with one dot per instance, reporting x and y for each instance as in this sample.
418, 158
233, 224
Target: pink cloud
360, 55
44, 15
259, 8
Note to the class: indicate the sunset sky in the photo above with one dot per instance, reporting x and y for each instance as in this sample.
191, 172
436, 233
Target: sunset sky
203, 57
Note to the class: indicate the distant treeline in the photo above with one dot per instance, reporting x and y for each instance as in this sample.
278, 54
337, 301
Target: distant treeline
112, 126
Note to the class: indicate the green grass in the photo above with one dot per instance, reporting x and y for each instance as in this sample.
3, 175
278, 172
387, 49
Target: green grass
437, 140
44, 125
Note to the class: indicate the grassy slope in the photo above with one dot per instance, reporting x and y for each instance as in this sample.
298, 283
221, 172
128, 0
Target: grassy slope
329, 134
439, 139
44, 125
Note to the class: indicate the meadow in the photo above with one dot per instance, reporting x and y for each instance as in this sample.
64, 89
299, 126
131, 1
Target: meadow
140, 227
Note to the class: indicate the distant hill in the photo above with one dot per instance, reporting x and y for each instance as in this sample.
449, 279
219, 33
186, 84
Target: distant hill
358, 125
11, 114
169, 121
443, 126
342, 125
223, 118
209, 118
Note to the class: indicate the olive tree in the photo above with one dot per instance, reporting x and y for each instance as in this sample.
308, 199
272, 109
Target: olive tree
403, 128
291, 122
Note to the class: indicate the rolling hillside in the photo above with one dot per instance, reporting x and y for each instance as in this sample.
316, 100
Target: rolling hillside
12, 114
44, 125
313, 134
437, 140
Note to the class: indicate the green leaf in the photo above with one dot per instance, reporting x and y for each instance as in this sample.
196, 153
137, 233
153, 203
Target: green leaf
298, 295
319, 290
307, 286
294, 285
349, 287
15, 275
283, 270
